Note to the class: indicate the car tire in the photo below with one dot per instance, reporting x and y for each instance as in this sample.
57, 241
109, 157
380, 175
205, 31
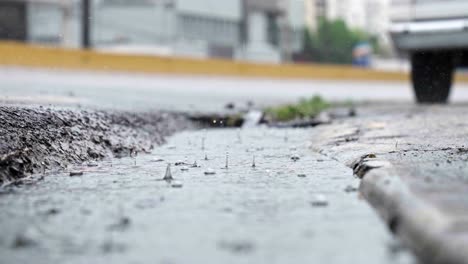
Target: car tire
432, 76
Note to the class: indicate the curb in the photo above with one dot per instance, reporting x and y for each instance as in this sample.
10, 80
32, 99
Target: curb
431, 236
24, 55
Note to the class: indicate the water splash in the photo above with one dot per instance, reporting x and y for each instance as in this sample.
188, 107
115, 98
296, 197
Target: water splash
239, 137
226, 166
168, 175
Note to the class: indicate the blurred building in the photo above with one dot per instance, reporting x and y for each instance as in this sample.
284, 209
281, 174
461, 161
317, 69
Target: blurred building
272, 29
371, 16
42, 21
254, 30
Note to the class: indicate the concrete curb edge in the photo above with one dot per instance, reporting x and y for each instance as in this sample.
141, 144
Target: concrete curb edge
421, 227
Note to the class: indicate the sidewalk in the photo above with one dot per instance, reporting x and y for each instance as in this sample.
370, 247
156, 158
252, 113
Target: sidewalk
412, 160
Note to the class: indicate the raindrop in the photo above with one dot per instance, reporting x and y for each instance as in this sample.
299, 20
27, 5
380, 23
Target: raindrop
134, 154
168, 175
210, 171
195, 165
253, 162
319, 201
203, 139
206, 156
226, 166
239, 137
286, 136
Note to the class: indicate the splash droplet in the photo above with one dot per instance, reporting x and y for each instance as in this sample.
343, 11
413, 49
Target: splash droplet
168, 175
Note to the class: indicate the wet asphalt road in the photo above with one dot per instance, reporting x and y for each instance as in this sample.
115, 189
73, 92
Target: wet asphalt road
122, 213
141, 92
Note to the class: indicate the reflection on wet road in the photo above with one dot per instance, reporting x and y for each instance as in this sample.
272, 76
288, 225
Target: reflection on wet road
293, 206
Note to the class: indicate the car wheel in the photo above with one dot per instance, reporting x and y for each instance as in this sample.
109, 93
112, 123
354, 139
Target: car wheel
432, 75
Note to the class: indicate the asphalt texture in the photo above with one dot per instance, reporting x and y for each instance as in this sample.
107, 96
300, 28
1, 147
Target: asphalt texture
294, 206
34, 139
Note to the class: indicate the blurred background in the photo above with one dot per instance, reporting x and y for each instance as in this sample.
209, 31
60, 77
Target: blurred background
269, 31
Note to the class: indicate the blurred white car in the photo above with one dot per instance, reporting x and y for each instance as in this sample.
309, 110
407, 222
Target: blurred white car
434, 34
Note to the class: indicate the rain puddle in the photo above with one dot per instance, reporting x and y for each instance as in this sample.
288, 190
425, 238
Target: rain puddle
255, 195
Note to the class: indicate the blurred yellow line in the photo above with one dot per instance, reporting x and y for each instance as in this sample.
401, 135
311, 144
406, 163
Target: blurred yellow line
18, 54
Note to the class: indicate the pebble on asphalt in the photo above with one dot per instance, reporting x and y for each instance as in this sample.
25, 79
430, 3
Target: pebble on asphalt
177, 185
210, 171
237, 247
295, 157
179, 163
92, 164
121, 225
350, 189
319, 201
76, 173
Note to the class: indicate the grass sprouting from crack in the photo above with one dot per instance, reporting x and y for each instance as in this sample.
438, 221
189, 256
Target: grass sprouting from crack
305, 108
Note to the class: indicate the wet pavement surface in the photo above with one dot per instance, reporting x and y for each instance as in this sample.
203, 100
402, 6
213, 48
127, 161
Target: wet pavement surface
293, 206
33, 139
142, 92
